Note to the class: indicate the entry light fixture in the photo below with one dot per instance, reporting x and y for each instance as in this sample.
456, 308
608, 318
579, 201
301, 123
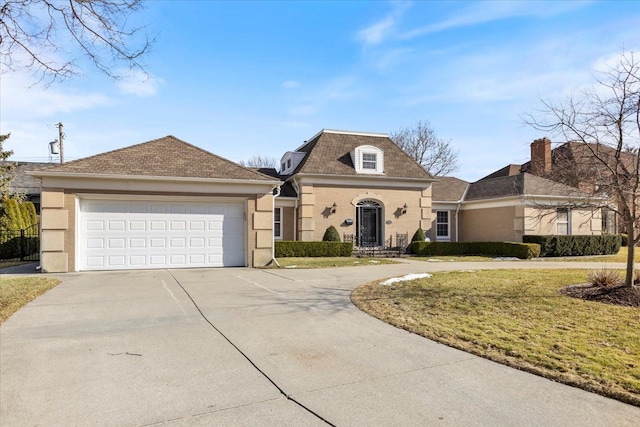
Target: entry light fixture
404, 209
333, 207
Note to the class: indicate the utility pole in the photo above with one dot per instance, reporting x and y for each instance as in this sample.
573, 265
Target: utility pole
60, 136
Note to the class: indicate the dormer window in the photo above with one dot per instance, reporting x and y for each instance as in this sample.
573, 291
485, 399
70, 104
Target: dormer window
368, 159
290, 161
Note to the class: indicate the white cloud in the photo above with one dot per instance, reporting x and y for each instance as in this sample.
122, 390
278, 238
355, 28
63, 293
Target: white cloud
376, 33
140, 84
487, 11
44, 101
291, 84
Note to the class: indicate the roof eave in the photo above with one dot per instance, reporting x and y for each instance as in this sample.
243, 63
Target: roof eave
363, 176
42, 174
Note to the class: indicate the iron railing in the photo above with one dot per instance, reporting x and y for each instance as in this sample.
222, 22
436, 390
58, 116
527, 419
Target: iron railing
22, 245
367, 248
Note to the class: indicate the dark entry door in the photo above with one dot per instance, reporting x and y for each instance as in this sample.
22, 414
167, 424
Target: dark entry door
368, 227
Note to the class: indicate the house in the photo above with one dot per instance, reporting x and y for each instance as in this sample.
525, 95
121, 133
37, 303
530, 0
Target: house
26, 185
514, 201
168, 204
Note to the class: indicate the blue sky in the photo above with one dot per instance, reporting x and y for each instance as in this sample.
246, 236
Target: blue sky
246, 78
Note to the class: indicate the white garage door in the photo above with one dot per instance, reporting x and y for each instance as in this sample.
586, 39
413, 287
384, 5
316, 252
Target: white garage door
125, 234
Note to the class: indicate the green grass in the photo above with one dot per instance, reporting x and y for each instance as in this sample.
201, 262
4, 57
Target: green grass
466, 258
327, 262
520, 319
621, 256
16, 292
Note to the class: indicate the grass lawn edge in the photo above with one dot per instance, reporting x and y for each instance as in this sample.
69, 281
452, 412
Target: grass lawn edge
500, 357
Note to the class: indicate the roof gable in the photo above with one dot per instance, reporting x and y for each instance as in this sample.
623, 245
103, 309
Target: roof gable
328, 153
162, 157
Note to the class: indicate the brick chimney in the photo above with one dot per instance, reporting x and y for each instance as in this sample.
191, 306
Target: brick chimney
541, 156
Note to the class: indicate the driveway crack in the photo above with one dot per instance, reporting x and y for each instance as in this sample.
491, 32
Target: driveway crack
248, 359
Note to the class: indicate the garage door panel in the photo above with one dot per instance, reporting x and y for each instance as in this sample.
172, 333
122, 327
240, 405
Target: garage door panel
137, 234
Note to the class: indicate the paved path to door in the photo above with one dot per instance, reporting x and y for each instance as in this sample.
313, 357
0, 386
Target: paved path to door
258, 347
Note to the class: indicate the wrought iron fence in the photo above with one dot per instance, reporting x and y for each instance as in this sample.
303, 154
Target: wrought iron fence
365, 247
23, 245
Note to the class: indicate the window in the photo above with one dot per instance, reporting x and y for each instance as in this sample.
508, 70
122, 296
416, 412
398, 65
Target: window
562, 222
284, 167
369, 161
288, 163
442, 225
608, 221
277, 223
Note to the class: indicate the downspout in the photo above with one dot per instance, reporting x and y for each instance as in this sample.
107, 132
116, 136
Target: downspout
273, 237
464, 195
295, 209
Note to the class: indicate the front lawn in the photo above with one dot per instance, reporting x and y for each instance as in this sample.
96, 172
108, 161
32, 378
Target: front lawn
328, 262
621, 256
519, 318
15, 292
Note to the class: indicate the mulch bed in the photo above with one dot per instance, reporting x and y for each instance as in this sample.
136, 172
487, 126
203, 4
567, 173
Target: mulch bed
617, 295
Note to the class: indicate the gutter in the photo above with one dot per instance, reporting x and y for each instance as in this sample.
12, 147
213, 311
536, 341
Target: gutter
459, 202
273, 237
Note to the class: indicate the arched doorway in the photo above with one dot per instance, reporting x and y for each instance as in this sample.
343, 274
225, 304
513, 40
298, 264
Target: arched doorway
369, 223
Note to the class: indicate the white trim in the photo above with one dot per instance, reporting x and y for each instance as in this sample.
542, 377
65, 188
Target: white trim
146, 186
363, 180
286, 203
41, 174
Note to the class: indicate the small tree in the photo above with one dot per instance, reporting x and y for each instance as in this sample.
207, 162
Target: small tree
419, 235
6, 168
421, 143
331, 235
604, 124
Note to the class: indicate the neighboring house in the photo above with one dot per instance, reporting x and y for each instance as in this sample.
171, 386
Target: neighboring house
27, 185
168, 204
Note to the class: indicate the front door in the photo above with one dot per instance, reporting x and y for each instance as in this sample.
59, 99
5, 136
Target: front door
368, 226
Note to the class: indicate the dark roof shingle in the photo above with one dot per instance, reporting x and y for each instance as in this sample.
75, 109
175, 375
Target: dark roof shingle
448, 189
328, 154
519, 185
162, 157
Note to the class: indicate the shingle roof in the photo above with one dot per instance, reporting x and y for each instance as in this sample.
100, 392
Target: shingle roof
519, 185
448, 189
162, 157
286, 189
508, 170
328, 154
27, 184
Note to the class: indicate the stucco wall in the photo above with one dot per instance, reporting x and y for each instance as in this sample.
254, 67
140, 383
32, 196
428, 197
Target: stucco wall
544, 221
316, 201
498, 224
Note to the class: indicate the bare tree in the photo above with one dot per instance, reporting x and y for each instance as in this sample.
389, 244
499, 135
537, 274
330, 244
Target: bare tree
258, 161
603, 126
46, 36
421, 143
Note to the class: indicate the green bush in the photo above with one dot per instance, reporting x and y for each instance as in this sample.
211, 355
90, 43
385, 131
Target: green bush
552, 246
285, 249
331, 235
505, 249
625, 239
419, 235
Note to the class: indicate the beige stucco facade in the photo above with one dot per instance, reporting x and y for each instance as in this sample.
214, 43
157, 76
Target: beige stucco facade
315, 212
509, 220
60, 207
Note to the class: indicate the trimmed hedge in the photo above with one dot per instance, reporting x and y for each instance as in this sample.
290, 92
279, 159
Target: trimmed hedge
505, 249
285, 249
551, 246
331, 235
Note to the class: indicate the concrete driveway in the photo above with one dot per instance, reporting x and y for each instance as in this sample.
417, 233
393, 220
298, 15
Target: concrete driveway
257, 347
